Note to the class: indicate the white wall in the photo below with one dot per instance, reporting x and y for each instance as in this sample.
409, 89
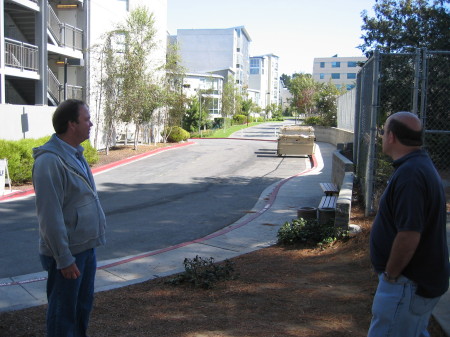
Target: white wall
346, 110
206, 50
105, 16
39, 121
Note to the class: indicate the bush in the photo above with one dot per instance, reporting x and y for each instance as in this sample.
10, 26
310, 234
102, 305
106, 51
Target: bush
204, 273
20, 156
90, 153
177, 134
313, 121
239, 119
309, 231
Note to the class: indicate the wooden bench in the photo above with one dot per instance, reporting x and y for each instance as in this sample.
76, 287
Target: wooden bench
329, 188
328, 201
327, 209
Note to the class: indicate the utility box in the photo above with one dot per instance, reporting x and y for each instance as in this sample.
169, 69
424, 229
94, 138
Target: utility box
296, 140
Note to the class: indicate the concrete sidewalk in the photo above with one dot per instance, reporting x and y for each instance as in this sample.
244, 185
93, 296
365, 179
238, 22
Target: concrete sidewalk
258, 229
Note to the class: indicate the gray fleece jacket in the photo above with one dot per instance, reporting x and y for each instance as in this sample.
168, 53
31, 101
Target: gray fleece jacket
71, 219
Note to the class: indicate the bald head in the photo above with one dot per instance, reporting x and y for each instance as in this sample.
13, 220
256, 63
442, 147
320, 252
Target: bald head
406, 127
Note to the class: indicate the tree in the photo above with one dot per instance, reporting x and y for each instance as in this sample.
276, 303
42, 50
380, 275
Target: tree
404, 25
140, 95
246, 107
326, 102
174, 98
303, 89
229, 99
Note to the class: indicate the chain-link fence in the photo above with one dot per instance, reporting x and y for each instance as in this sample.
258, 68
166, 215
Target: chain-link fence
417, 82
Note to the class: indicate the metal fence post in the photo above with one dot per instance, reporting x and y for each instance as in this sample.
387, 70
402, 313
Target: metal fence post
373, 129
416, 82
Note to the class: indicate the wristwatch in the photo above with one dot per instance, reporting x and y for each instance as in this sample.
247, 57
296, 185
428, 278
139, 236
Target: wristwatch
389, 278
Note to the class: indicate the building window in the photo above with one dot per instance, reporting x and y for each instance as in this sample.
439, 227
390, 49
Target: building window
254, 66
322, 64
351, 76
335, 76
350, 86
335, 64
238, 50
351, 64
322, 76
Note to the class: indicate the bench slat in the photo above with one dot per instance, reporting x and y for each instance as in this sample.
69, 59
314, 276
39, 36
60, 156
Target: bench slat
329, 188
328, 202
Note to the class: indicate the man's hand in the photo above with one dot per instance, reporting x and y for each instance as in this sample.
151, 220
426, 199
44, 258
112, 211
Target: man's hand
71, 272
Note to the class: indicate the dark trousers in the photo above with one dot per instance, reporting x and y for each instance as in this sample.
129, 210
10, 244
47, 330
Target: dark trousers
70, 301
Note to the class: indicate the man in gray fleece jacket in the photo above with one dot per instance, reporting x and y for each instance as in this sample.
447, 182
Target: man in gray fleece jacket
71, 220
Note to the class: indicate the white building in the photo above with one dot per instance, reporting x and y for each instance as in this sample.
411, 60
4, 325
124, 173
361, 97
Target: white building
207, 86
45, 56
105, 16
341, 71
211, 50
42, 61
264, 77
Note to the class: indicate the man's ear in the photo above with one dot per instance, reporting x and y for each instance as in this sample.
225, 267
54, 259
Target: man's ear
391, 137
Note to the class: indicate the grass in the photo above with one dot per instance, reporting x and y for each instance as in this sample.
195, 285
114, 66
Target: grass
223, 133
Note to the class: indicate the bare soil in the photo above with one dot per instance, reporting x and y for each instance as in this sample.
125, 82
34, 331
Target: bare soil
280, 291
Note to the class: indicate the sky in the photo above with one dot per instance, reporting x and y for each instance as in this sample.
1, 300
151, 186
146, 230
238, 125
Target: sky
296, 31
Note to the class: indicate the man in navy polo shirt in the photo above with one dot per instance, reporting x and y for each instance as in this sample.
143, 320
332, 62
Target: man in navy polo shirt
408, 241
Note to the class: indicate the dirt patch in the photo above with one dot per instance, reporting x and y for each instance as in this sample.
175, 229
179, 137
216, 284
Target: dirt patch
280, 291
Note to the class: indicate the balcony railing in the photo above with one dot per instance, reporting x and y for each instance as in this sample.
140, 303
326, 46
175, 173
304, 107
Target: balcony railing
65, 34
56, 89
21, 55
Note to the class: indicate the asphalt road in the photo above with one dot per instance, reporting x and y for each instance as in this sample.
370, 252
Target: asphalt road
166, 199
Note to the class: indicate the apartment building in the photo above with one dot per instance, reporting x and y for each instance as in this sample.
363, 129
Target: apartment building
208, 88
42, 51
265, 79
45, 56
42, 61
211, 50
341, 71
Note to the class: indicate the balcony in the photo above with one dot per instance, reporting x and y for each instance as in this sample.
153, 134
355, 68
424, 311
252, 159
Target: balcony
21, 55
56, 89
64, 34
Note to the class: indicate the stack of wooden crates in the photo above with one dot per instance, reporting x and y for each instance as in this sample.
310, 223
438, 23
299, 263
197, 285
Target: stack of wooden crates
296, 140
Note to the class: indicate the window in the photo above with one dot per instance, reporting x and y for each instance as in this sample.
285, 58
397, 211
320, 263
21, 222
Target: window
335, 64
350, 86
322, 64
254, 66
335, 76
351, 76
238, 50
351, 64
322, 76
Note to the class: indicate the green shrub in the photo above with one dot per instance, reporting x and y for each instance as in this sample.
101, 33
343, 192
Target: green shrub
204, 273
313, 121
309, 231
20, 156
177, 134
239, 119
90, 153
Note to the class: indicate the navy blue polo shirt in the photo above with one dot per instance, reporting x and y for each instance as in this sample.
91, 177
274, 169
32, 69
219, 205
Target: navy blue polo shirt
414, 200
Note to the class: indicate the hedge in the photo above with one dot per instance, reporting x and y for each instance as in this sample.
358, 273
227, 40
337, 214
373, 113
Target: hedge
20, 157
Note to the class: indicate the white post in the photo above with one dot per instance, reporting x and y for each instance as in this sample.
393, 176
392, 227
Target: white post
3, 164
